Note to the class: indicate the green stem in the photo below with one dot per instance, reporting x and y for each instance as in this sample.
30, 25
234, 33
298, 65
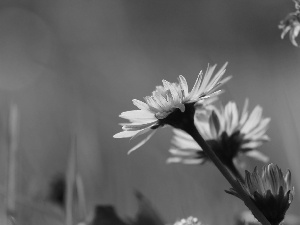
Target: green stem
192, 130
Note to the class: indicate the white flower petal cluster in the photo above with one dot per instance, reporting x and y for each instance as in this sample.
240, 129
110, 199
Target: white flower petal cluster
188, 221
245, 132
291, 24
165, 100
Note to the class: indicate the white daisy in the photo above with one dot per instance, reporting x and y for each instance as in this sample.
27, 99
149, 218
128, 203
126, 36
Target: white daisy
165, 100
228, 134
291, 24
188, 221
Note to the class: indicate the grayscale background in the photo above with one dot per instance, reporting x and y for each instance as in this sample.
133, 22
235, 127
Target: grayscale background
72, 66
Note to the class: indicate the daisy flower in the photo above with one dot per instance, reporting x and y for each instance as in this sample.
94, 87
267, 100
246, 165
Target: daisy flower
188, 221
271, 192
291, 24
167, 100
227, 132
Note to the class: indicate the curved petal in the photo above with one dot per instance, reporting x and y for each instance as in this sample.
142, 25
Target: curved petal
141, 143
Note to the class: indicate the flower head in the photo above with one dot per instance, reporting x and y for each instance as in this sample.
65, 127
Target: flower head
271, 192
167, 99
226, 132
188, 221
291, 24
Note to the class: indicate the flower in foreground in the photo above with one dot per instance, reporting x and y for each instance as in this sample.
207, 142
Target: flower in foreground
227, 132
188, 221
167, 99
291, 24
271, 192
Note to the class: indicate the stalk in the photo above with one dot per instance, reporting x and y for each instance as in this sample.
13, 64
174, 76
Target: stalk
81, 197
192, 130
13, 139
71, 179
185, 121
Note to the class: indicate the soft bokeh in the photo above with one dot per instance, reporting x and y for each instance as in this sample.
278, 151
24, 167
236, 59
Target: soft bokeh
72, 67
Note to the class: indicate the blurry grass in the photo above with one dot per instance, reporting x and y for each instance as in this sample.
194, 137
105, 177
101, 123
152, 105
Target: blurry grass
70, 178
74, 187
81, 197
13, 139
292, 150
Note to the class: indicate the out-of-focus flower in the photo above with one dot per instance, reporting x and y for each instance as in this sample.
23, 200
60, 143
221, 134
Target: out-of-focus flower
166, 99
271, 192
291, 24
188, 221
227, 133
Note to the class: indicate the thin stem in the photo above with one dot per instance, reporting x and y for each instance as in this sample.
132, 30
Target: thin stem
13, 137
81, 196
192, 130
70, 177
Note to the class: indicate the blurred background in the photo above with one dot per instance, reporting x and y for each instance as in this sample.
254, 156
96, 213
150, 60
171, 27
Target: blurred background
72, 67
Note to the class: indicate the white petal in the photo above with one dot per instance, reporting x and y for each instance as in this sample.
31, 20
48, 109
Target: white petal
257, 136
232, 116
261, 128
206, 79
193, 161
258, 155
160, 100
253, 120
153, 104
170, 98
191, 96
265, 138
293, 34
137, 115
286, 29
244, 114
216, 78
143, 131
141, 105
137, 126
182, 153
218, 85
185, 144
174, 160
182, 134
126, 134
141, 143
183, 85
252, 144
173, 91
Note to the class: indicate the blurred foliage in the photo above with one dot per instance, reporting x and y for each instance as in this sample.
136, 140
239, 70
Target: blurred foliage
106, 215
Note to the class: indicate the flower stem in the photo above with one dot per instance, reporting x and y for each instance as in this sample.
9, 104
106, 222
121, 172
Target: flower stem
192, 130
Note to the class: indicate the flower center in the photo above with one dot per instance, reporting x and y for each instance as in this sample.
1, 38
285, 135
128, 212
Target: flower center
179, 119
227, 147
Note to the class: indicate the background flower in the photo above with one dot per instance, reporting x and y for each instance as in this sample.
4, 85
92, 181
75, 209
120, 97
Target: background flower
188, 221
291, 24
271, 191
228, 132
